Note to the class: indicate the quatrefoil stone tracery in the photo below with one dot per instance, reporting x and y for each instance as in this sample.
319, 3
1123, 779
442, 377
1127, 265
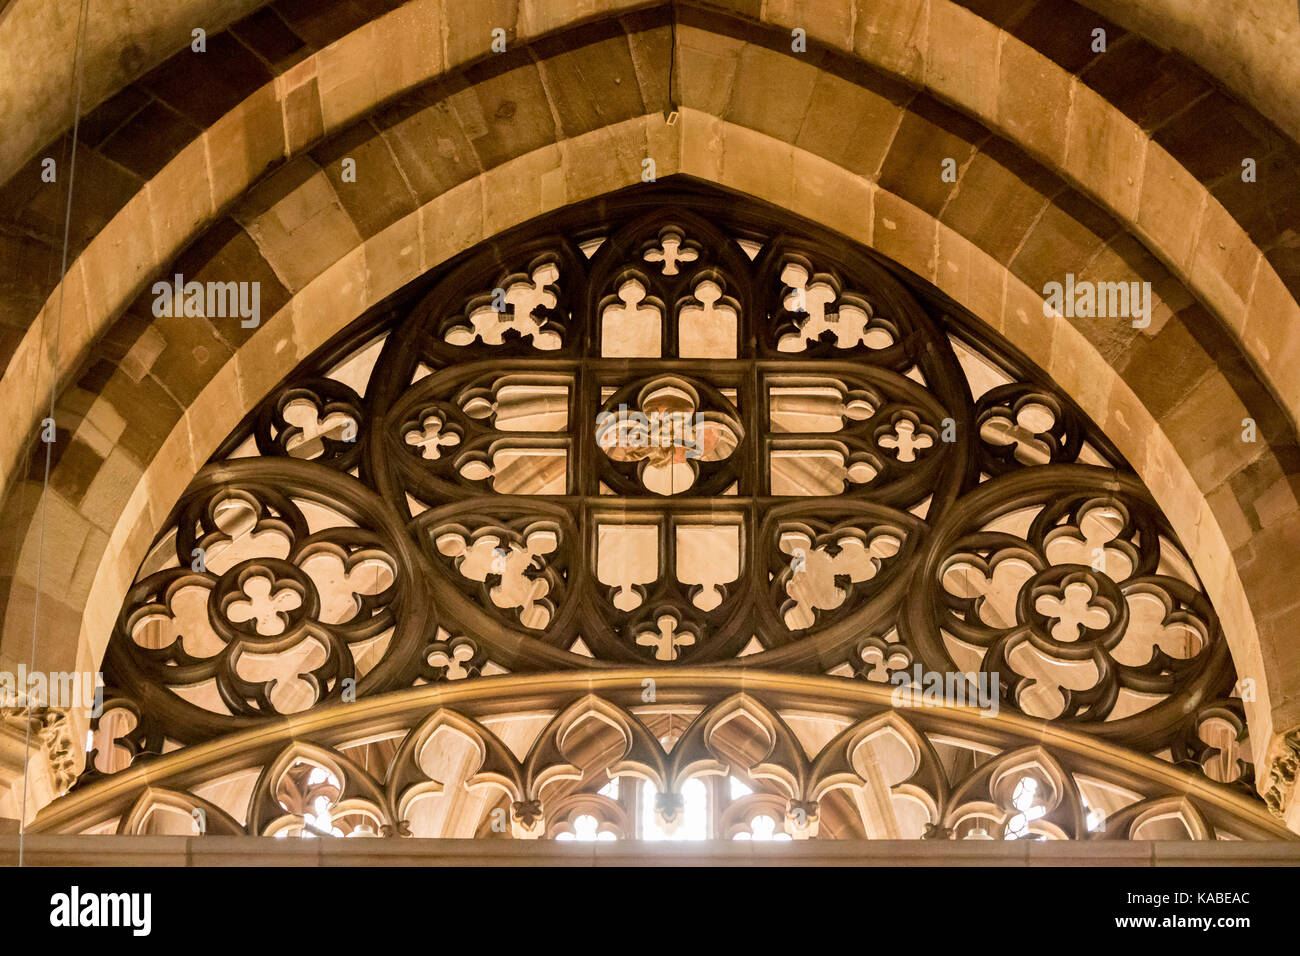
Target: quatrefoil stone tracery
663, 438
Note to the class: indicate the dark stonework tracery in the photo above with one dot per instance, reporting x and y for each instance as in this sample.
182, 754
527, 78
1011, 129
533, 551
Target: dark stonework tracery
681, 431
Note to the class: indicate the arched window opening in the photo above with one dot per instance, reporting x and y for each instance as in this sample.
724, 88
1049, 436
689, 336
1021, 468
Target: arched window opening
743, 493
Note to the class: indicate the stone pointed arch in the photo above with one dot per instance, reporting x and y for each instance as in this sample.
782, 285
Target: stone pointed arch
899, 226
1152, 819
358, 791
1209, 544
1216, 546
200, 767
203, 815
837, 766
850, 547
496, 765
991, 786
782, 760
847, 767
641, 756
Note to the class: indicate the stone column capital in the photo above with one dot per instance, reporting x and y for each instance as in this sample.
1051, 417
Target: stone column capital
44, 745
1283, 761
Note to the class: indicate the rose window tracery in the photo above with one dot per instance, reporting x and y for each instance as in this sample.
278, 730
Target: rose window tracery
668, 436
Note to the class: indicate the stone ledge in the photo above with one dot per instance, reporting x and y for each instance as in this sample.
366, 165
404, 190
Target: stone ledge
57, 850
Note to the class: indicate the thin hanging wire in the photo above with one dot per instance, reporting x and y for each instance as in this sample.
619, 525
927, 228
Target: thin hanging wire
672, 55
78, 71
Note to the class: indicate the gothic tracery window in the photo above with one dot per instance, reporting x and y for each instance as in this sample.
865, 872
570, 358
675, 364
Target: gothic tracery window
660, 439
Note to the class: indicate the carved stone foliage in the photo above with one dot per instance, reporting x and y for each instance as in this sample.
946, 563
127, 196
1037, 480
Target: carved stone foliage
675, 431
1282, 774
49, 730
